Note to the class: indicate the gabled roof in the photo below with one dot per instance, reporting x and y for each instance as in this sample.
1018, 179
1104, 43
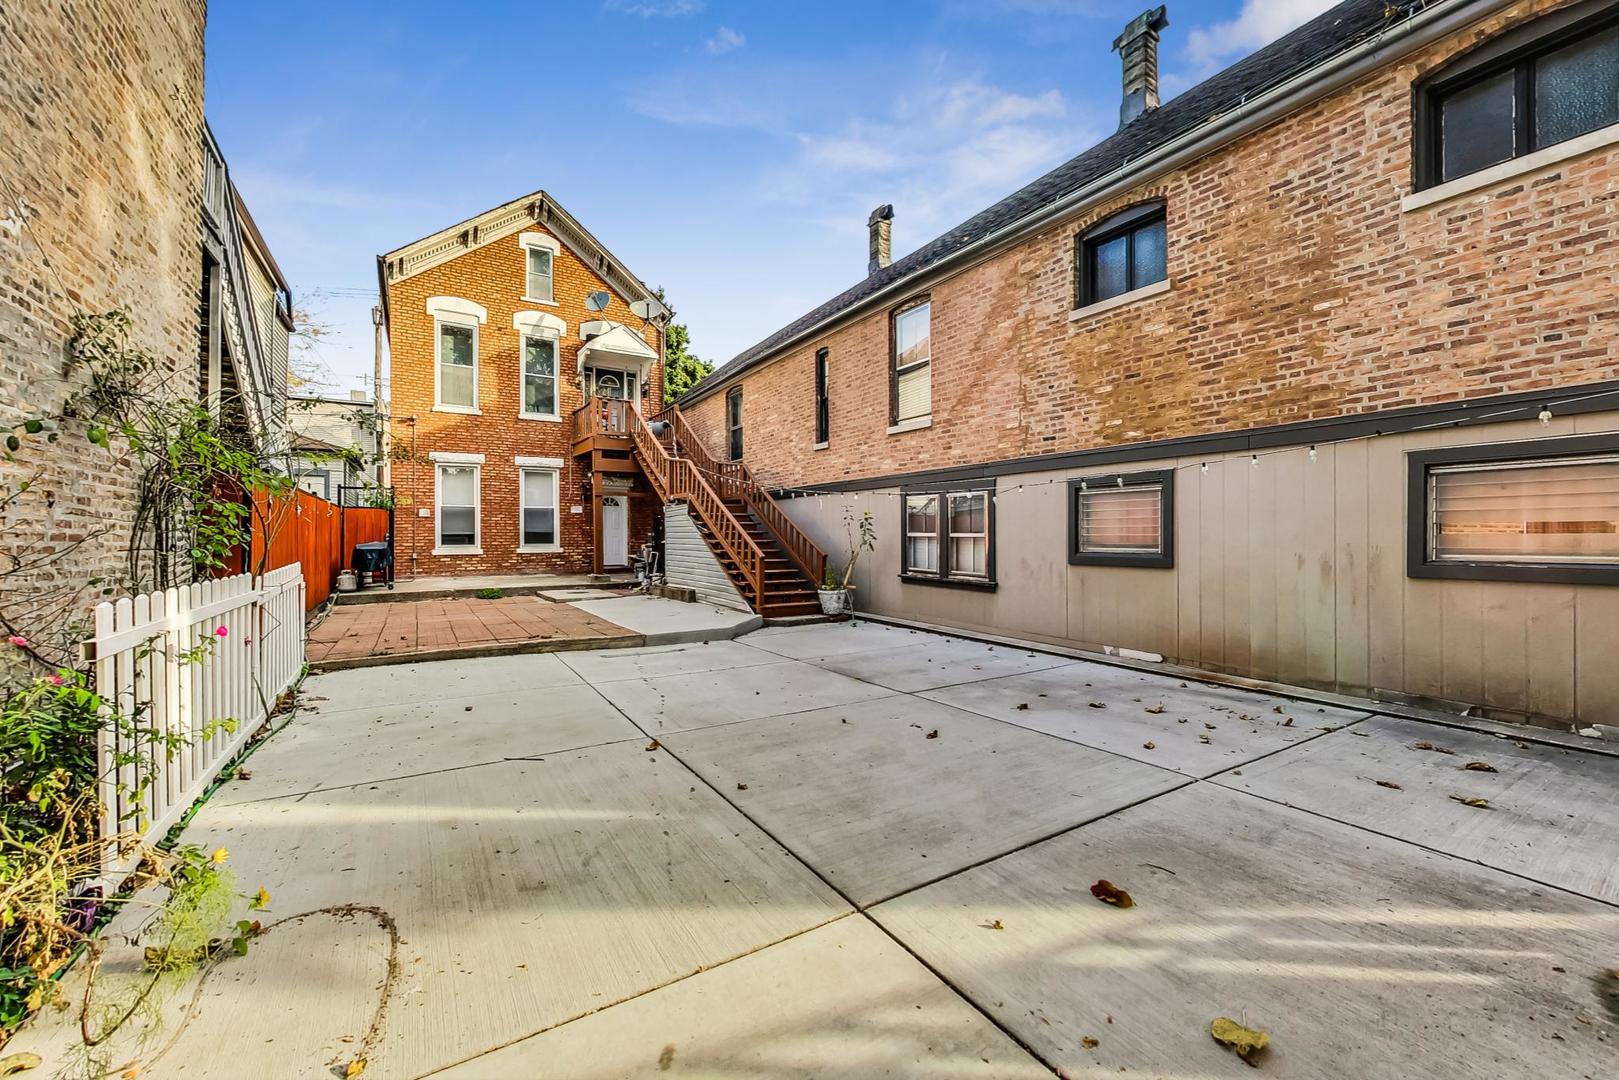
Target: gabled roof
498, 223
1336, 31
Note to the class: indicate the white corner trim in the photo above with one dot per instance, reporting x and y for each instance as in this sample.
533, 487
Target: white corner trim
540, 240
1514, 169
542, 322
915, 423
441, 306
451, 457
537, 462
1157, 288
458, 551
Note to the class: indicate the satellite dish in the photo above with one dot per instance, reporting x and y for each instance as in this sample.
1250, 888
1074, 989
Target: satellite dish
644, 308
596, 301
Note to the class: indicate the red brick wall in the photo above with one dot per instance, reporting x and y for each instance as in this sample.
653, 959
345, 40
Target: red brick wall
1300, 291
493, 276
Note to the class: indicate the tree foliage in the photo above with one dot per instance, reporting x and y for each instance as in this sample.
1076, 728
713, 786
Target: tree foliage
682, 368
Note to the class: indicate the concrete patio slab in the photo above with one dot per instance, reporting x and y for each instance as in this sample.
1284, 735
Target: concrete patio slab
526, 894
681, 702
842, 1002
616, 665
834, 639
1059, 701
366, 688
869, 797
1552, 814
438, 588
670, 622
937, 661
364, 745
1361, 956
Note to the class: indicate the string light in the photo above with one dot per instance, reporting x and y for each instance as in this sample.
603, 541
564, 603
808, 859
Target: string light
1545, 417
1205, 466
1256, 461
1312, 453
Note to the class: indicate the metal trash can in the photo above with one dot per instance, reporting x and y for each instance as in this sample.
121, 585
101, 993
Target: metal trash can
374, 562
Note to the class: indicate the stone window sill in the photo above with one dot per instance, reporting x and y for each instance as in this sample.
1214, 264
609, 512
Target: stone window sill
1157, 288
979, 585
1512, 170
538, 549
820, 446
915, 423
464, 410
546, 419
458, 551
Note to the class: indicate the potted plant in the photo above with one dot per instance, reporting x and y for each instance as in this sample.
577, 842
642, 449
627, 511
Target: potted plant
861, 532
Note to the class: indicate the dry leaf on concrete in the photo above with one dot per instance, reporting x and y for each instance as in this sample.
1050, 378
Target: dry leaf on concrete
354, 1068
1247, 1042
993, 924
1089, 1043
1149, 746
1385, 783
1109, 893
934, 734
651, 746
1472, 800
1155, 709
1479, 766
17, 1063
1425, 745
1098, 704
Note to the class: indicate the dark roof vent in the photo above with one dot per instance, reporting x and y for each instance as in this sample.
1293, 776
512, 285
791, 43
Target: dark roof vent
1138, 48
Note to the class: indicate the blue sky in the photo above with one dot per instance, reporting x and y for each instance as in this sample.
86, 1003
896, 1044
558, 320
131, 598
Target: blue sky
728, 151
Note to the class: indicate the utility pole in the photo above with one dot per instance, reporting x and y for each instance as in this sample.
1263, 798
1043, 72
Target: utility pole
385, 467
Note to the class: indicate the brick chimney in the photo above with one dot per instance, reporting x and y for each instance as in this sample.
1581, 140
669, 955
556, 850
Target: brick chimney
880, 223
1138, 48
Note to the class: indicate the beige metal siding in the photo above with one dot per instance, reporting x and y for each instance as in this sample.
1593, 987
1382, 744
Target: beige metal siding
688, 561
1293, 570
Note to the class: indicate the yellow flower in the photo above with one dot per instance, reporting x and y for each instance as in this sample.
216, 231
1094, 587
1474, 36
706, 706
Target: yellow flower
261, 899
219, 856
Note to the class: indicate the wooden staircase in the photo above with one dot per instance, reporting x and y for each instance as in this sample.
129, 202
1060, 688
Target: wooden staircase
772, 563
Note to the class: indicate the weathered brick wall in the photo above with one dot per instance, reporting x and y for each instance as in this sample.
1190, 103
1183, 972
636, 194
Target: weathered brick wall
1300, 291
493, 276
101, 103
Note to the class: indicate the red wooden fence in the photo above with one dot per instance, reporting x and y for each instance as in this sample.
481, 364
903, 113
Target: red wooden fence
305, 528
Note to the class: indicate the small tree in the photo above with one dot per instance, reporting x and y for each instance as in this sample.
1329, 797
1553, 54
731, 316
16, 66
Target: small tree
682, 369
861, 532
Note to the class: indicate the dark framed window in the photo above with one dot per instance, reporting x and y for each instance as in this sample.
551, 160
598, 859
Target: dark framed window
1543, 84
1539, 510
733, 422
948, 537
823, 403
1122, 253
910, 361
1123, 519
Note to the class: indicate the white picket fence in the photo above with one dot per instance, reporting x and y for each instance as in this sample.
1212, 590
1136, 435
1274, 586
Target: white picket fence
185, 660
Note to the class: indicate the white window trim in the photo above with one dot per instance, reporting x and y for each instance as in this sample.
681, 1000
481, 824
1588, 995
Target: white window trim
522, 374
1157, 288
524, 466
915, 423
905, 539
1514, 168
452, 317
540, 240
950, 535
475, 461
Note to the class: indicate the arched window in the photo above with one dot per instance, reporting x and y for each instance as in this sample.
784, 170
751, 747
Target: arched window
1542, 84
1122, 253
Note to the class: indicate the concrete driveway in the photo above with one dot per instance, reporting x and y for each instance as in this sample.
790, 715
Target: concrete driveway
853, 851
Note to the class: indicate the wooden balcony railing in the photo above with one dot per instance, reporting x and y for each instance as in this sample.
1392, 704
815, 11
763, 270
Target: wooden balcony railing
604, 416
734, 480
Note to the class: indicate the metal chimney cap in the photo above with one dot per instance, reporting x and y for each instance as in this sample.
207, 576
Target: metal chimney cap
885, 212
1153, 20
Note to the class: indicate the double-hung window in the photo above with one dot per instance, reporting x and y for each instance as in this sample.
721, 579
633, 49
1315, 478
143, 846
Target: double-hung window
1122, 520
733, 422
539, 266
1544, 84
1123, 253
537, 501
457, 364
458, 508
539, 376
823, 404
1546, 510
911, 363
948, 537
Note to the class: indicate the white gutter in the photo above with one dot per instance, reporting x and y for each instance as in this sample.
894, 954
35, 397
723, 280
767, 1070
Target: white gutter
1439, 19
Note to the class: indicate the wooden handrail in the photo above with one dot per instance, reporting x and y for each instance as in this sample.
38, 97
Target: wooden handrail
680, 478
603, 416
735, 480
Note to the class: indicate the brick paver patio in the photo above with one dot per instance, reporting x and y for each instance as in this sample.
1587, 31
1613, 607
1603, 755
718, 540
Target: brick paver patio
359, 632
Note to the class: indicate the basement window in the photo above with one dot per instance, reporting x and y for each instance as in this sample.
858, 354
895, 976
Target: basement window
948, 538
1546, 510
1547, 83
1125, 519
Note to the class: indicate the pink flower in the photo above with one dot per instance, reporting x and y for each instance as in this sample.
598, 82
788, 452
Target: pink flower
221, 631
57, 680
19, 641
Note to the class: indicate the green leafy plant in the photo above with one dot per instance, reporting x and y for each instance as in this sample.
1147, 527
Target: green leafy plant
489, 594
861, 531
831, 582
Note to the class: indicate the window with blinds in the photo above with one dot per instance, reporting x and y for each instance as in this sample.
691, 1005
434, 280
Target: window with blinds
538, 507
948, 537
912, 362
1560, 510
458, 506
1122, 520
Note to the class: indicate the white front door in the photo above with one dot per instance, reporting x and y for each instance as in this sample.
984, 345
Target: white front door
615, 531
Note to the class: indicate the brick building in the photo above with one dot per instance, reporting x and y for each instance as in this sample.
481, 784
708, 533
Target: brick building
1310, 374
499, 328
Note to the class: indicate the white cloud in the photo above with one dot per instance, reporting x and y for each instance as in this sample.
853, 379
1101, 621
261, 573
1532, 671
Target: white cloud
1209, 48
648, 9
724, 40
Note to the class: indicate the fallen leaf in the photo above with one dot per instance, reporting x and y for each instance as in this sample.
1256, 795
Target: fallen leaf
934, 734
742, 787
1109, 893
243, 774
1479, 766
651, 746
1472, 800
1155, 709
1202, 738
1149, 746
1089, 1043
1388, 784
1211, 727
1098, 705
16, 1063
354, 1068
1247, 1042
1022, 706
1425, 745
1276, 708
993, 924
1288, 722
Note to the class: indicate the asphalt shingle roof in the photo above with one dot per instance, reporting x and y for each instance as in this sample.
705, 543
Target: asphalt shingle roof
1329, 34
